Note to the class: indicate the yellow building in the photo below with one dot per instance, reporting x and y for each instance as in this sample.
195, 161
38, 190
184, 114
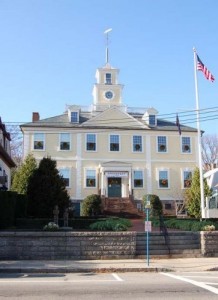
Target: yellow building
118, 152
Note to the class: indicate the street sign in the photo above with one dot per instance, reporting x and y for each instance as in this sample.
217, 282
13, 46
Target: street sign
148, 226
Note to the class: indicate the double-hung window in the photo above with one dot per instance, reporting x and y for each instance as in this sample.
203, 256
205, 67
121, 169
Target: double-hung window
138, 179
187, 179
163, 179
186, 144
114, 142
162, 144
64, 141
39, 141
152, 120
90, 178
108, 78
65, 173
91, 142
137, 143
74, 117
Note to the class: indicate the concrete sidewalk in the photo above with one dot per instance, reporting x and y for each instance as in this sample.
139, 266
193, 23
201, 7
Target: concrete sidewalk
125, 265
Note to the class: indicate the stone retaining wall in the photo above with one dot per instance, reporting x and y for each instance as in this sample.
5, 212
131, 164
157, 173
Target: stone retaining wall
209, 243
102, 245
67, 245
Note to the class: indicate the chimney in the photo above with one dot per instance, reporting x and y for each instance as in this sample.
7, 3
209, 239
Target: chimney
35, 117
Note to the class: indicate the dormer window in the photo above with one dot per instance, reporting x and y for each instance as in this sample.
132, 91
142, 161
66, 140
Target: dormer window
108, 78
150, 117
152, 120
74, 117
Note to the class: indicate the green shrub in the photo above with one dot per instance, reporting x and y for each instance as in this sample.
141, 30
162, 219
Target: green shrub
155, 203
7, 209
111, 225
91, 205
189, 224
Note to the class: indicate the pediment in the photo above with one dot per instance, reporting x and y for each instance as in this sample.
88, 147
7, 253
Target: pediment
114, 117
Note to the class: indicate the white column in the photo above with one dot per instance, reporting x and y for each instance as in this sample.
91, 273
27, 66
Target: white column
148, 164
79, 179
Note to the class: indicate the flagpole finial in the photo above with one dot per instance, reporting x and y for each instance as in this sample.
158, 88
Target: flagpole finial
194, 49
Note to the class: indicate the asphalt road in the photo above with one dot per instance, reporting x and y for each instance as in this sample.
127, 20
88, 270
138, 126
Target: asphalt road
198, 285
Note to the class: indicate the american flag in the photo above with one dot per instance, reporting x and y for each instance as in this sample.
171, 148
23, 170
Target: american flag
201, 67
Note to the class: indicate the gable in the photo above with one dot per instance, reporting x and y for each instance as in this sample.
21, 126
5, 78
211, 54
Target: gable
114, 117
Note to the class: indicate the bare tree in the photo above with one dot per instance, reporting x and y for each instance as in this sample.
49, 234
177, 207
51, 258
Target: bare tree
209, 146
16, 143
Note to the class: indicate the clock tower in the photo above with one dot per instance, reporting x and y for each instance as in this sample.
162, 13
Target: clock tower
107, 91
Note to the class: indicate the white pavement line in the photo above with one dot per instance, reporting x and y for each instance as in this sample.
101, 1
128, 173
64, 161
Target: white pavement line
53, 281
199, 284
194, 276
117, 277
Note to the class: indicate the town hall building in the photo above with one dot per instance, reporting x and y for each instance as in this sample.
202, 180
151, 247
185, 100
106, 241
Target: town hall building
118, 152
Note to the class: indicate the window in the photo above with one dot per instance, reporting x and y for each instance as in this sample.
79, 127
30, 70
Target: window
186, 145
138, 179
39, 141
65, 173
114, 143
74, 117
64, 141
91, 142
137, 143
162, 144
163, 179
90, 178
152, 120
187, 179
168, 206
108, 78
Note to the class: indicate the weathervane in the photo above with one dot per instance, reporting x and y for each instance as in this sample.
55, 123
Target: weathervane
107, 43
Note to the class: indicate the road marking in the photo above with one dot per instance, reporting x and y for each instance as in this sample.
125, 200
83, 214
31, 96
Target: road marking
64, 280
117, 277
199, 284
194, 276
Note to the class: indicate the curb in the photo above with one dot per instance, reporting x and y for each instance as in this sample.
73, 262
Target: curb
85, 270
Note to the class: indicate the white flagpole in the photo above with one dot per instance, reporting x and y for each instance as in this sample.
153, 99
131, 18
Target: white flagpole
199, 137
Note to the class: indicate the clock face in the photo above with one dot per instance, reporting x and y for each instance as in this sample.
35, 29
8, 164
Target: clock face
109, 95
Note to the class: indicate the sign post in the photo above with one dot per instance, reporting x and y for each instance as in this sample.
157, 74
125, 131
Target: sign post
147, 226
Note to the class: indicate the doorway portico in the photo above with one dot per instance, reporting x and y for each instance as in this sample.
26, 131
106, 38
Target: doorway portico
115, 179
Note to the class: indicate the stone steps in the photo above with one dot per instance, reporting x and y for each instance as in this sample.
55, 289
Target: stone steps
180, 244
122, 207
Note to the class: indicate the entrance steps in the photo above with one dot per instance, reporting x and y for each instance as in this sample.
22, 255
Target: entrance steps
179, 244
121, 207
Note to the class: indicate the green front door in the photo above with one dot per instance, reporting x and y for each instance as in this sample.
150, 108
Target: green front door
114, 187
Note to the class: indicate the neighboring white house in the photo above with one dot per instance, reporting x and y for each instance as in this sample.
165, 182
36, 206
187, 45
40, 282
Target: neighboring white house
114, 150
212, 203
6, 162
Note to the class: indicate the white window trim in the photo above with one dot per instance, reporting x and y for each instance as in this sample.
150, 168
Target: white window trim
33, 140
182, 177
95, 143
109, 143
63, 168
59, 146
142, 149
143, 178
77, 120
96, 179
168, 177
157, 150
105, 78
182, 152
